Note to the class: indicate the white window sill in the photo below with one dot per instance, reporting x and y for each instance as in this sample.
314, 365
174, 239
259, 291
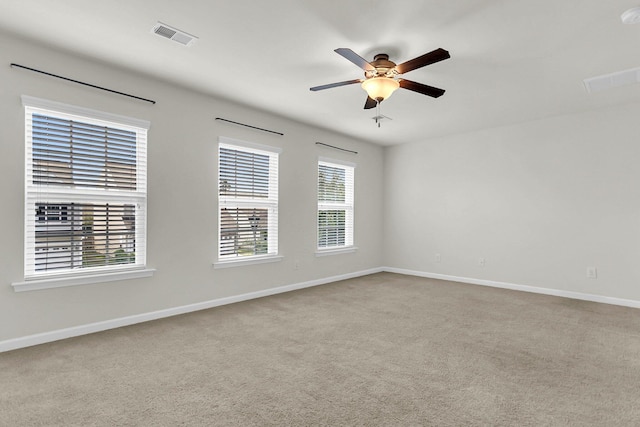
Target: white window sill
80, 279
336, 251
242, 262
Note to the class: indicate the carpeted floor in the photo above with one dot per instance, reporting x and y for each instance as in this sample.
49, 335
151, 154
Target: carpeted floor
380, 350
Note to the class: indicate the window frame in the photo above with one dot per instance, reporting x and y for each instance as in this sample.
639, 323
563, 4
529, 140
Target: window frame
271, 202
348, 206
65, 194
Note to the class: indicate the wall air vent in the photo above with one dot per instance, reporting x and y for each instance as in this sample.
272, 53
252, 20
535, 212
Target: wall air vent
174, 34
608, 81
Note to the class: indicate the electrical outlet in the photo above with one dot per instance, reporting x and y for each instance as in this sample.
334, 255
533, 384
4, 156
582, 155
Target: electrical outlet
481, 262
592, 273
438, 258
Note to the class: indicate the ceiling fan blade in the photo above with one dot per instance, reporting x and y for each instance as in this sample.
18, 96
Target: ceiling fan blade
330, 85
424, 60
370, 103
355, 58
420, 88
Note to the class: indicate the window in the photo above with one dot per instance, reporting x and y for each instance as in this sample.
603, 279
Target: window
86, 195
248, 200
335, 205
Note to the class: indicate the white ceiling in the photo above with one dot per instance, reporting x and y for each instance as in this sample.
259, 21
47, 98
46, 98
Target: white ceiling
511, 60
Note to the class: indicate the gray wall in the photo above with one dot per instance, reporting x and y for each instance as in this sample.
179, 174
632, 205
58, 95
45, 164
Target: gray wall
182, 204
540, 201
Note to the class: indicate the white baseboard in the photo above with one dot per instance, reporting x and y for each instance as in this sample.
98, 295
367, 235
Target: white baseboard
525, 288
45, 337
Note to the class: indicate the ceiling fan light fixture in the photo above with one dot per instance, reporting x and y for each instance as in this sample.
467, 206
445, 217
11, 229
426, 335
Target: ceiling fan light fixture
380, 88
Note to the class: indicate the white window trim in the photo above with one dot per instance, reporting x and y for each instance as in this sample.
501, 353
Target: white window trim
46, 280
250, 259
247, 144
336, 250
258, 259
82, 279
337, 162
81, 112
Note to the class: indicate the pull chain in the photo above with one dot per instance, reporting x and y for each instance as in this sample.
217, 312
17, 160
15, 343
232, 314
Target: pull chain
378, 118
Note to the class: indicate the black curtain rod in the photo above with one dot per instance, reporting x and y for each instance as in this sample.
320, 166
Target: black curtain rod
83, 83
249, 126
337, 148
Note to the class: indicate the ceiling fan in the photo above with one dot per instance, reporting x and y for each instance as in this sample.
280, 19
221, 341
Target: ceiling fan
381, 75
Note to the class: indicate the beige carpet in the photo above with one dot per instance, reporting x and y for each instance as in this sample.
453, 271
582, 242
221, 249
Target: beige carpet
381, 350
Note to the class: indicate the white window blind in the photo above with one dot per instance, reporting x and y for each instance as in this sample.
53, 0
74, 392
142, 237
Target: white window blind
335, 205
248, 200
85, 195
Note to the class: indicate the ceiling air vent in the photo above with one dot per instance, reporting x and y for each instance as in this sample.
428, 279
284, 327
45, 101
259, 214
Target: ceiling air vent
608, 81
174, 34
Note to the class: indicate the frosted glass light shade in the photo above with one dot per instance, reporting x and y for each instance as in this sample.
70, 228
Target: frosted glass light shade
380, 88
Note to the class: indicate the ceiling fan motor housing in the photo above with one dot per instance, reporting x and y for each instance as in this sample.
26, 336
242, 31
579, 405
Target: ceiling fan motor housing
383, 67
